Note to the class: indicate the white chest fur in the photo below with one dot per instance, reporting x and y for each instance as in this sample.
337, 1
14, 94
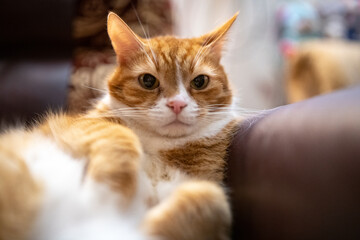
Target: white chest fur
153, 144
73, 207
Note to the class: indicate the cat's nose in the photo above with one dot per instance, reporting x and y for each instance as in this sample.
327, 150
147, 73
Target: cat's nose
176, 105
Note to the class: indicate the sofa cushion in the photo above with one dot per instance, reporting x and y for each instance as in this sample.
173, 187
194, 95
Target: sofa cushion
294, 172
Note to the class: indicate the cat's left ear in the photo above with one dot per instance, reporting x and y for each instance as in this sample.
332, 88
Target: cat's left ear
124, 41
216, 39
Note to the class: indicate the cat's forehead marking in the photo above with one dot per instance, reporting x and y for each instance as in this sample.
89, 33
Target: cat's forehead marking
169, 63
169, 49
177, 61
178, 72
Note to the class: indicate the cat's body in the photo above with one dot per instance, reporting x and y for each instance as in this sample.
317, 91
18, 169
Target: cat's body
70, 196
146, 163
168, 153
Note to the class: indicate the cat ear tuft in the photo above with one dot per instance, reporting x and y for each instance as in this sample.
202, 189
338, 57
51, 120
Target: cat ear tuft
123, 39
217, 37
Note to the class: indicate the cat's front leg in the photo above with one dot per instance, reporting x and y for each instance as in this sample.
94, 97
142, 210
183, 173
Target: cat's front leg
196, 210
112, 151
115, 163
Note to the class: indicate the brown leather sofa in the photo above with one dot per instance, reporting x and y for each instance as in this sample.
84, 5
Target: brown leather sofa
294, 172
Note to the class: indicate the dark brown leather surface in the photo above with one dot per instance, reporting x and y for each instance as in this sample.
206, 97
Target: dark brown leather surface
294, 173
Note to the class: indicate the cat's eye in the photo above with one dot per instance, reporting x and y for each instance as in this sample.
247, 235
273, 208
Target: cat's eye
200, 82
148, 81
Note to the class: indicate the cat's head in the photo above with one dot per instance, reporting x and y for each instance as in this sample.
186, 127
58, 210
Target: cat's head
171, 86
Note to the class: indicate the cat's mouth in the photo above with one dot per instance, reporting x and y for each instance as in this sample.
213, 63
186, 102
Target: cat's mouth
177, 122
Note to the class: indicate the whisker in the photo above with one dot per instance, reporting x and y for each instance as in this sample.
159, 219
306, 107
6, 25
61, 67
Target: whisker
199, 55
200, 51
203, 47
96, 89
147, 37
152, 52
138, 18
129, 110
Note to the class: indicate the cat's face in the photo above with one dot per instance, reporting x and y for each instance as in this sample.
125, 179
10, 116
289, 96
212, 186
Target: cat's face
170, 86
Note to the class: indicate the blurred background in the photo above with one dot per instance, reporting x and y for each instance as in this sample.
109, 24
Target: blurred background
56, 53
273, 39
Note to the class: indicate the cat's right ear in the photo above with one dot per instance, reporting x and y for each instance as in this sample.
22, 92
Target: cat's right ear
215, 40
123, 39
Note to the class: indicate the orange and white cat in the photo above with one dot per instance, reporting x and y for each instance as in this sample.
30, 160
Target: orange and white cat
147, 162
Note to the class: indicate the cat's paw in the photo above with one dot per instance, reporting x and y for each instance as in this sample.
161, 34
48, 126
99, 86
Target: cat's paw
115, 162
196, 210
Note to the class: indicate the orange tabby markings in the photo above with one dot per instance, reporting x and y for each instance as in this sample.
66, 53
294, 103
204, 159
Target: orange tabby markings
177, 158
198, 159
20, 194
169, 51
113, 151
197, 203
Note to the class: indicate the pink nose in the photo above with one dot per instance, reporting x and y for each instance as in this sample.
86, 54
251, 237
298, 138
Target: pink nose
176, 105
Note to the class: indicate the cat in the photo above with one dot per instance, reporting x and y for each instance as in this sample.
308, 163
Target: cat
319, 67
147, 162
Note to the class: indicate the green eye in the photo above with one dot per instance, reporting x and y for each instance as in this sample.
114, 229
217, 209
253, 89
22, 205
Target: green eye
200, 82
148, 81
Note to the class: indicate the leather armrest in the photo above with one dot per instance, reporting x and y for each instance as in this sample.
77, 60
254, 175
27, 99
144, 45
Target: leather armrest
294, 172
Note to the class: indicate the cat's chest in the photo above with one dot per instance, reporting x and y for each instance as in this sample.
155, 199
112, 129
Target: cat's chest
200, 158
153, 163
155, 168
201, 155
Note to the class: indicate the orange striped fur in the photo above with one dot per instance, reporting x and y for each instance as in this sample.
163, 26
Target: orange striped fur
20, 193
134, 136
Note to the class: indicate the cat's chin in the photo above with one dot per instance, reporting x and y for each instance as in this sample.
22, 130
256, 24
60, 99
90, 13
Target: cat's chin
177, 123
176, 129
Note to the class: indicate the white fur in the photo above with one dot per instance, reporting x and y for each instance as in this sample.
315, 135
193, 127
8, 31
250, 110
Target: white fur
75, 207
165, 188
